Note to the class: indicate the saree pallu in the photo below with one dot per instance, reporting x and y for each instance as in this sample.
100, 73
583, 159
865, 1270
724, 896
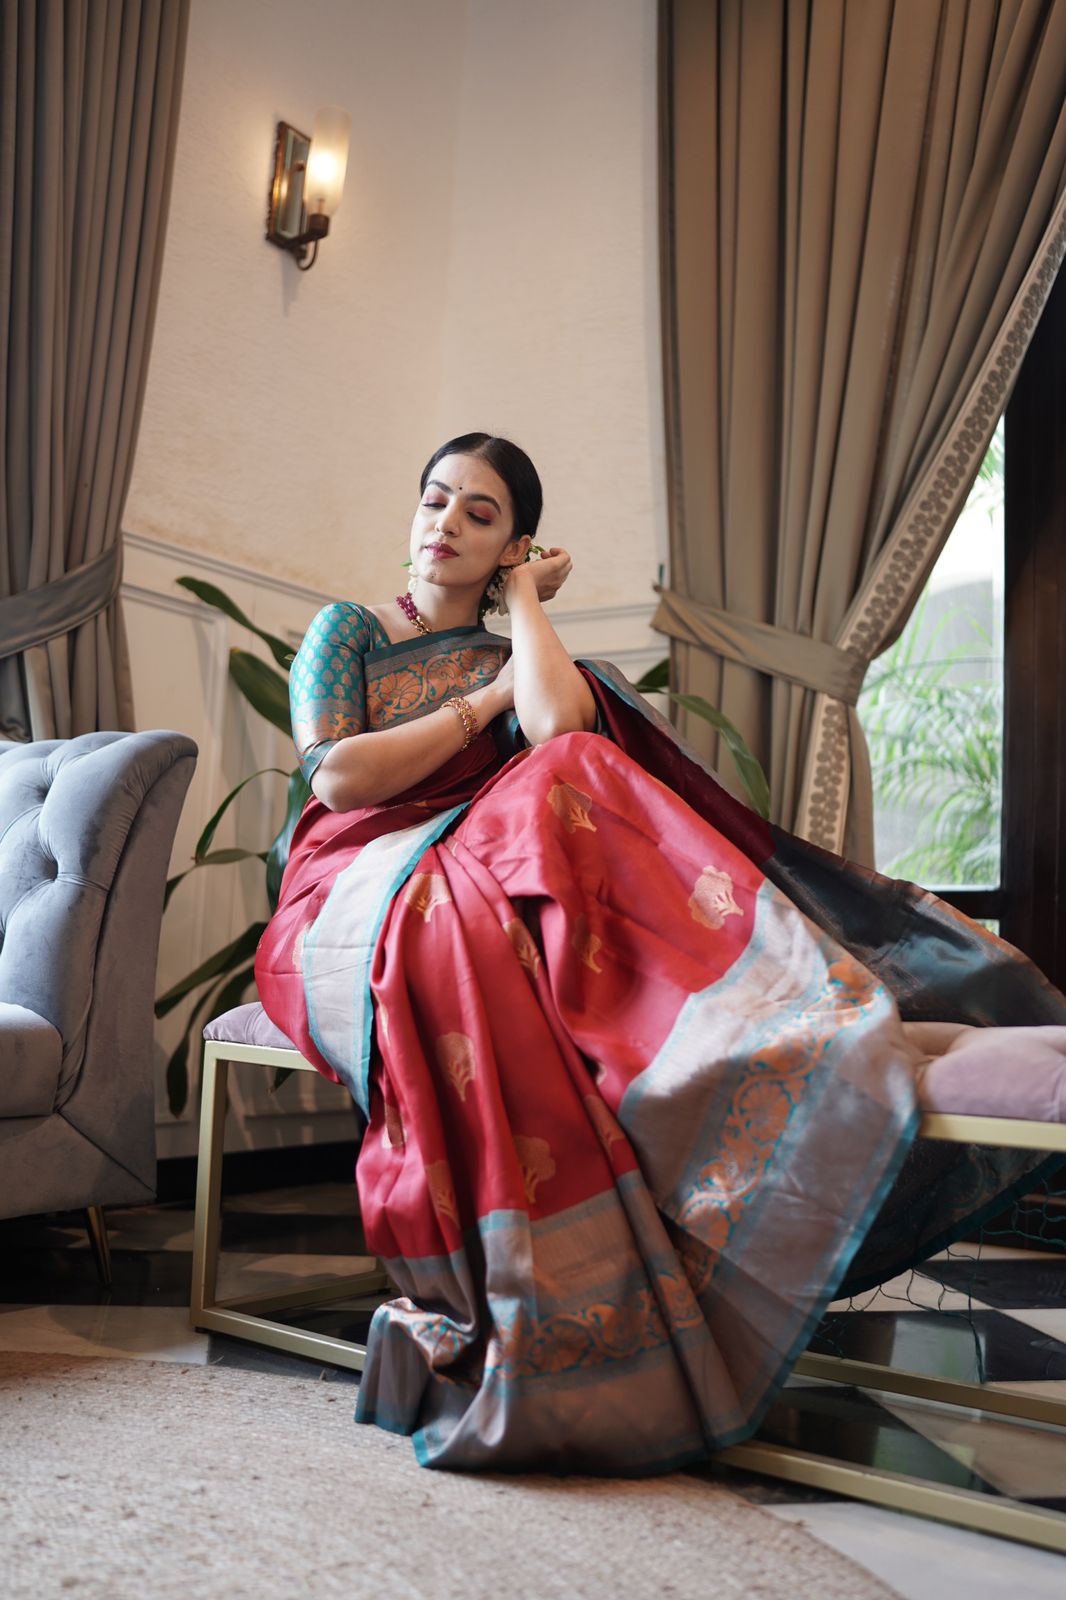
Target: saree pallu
639, 1097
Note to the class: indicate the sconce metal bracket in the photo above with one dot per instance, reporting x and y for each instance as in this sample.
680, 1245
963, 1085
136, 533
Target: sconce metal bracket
286, 223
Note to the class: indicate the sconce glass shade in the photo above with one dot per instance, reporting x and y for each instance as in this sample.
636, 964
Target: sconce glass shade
327, 162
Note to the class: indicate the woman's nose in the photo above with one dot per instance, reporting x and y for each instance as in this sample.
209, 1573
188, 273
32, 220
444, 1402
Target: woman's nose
448, 518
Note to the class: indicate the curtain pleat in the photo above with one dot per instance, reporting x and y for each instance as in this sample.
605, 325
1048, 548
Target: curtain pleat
88, 125
859, 215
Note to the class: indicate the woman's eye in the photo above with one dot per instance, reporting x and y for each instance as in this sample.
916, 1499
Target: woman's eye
475, 518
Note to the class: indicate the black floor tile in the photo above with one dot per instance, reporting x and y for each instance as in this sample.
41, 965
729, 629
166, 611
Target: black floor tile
69, 1278
851, 1427
1012, 1282
286, 1233
983, 1347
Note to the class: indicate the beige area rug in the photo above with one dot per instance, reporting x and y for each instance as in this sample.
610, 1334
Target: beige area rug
131, 1479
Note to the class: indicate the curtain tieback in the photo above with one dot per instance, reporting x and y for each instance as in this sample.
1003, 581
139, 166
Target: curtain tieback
825, 668
55, 608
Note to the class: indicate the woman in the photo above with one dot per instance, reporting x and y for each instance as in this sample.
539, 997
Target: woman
639, 1096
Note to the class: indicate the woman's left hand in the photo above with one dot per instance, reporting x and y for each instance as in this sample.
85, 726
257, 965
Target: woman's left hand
547, 575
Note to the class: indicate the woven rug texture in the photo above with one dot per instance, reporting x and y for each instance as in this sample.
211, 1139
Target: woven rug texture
132, 1480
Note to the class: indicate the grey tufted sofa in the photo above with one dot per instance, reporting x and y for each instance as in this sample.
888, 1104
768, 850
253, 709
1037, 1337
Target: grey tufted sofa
86, 829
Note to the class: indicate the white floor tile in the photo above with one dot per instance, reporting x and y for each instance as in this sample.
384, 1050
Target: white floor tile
240, 1273
994, 1252
1050, 1320
148, 1333
924, 1560
1019, 1459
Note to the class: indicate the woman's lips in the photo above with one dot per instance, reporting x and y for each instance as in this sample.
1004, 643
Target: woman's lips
444, 551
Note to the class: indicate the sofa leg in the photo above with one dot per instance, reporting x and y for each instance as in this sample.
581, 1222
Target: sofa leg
97, 1230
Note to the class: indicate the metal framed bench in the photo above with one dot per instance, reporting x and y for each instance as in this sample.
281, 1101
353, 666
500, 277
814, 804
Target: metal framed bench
966, 1508
248, 1317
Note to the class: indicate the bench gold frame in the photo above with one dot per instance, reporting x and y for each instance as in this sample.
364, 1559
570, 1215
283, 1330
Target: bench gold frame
248, 1317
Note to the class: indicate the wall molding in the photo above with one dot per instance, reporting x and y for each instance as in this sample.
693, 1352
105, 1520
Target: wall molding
636, 615
238, 572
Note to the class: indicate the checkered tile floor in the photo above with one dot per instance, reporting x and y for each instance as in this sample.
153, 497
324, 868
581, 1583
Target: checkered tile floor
997, 1316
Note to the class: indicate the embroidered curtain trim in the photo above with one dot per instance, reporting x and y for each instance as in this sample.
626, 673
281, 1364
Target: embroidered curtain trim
909, 554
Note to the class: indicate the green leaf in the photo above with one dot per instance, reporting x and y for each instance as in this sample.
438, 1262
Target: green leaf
278, 854
177, 1077
172, 884
223, 858
231, 993
203, 843
265, 690
656, 680
223, 960
283, 653
751, 773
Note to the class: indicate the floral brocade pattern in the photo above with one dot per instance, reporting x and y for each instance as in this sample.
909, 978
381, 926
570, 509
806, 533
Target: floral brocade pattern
523, 1345
401, 692
775, 1082
348, 678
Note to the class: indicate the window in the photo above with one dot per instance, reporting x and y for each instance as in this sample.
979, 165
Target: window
966, 713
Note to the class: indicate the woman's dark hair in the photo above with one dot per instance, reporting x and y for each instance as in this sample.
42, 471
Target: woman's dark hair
510, 463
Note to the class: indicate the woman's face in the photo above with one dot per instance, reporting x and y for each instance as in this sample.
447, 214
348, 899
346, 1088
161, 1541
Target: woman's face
462, 528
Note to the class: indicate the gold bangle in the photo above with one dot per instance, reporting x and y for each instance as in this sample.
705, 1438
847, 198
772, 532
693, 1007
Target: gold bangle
467, 716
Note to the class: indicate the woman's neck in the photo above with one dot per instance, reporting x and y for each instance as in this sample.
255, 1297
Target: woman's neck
443, 608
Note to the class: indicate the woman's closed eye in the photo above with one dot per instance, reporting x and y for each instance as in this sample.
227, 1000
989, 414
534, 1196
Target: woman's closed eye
435, 505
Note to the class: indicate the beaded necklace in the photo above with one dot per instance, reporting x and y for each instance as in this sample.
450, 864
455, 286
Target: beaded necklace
411, 612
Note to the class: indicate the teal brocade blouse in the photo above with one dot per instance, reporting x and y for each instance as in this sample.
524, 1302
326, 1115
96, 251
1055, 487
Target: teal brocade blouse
348, 677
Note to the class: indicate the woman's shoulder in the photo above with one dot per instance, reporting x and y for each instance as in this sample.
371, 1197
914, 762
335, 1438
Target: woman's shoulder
347, 623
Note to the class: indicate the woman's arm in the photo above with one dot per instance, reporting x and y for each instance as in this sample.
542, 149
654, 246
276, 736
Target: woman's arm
369, 768
550, 695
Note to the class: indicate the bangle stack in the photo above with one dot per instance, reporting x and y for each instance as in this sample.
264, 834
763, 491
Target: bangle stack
467, 716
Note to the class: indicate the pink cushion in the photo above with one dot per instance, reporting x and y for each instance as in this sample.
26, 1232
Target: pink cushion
991, 1072
248, 1024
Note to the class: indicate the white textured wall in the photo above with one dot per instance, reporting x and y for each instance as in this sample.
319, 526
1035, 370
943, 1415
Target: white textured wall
552, 333
493, 264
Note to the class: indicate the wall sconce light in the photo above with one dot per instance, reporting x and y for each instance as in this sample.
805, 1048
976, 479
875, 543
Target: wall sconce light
308, 183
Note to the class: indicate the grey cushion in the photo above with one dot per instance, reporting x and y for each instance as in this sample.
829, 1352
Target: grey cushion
31, 1053
248, 1024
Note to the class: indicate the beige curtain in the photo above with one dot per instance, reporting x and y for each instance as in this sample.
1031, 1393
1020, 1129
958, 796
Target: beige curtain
89, 97
863, 211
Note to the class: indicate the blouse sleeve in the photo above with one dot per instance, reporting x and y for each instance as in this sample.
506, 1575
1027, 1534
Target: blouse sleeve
327, 683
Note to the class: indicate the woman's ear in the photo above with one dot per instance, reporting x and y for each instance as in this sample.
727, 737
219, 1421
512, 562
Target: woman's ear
516, 551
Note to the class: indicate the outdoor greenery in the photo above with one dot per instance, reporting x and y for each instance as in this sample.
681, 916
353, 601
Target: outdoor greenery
933, 718
935, 748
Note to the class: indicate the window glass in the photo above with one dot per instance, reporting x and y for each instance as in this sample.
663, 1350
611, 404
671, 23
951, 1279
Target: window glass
932, 710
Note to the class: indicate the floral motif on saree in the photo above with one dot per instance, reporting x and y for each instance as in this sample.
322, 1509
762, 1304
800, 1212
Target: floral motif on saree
425, 892
711, 901
455, 1053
